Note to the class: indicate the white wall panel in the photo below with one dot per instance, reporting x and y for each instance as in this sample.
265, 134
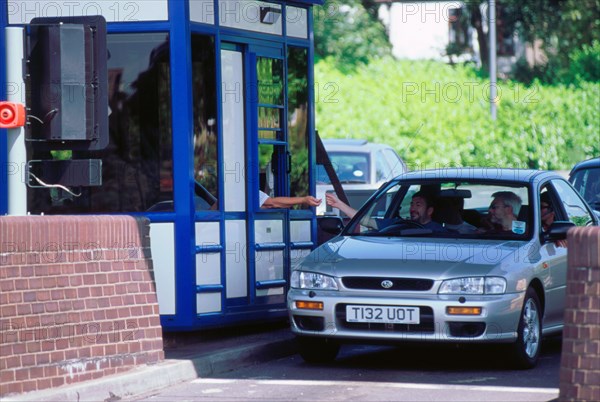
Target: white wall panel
296, 22
300, 231
23, 11
208, 303
269, 266
245, 14
232, 70
236, 259
268, 231
162, 245
202, 11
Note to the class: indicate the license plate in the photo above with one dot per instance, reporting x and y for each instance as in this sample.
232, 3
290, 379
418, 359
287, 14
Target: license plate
383, 314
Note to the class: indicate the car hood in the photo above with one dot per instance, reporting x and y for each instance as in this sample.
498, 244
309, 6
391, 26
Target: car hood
417, 257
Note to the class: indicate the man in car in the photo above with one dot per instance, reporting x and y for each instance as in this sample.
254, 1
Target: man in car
421, 209
503, 211
548, 217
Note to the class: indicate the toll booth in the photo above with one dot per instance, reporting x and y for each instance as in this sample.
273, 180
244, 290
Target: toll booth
182, 111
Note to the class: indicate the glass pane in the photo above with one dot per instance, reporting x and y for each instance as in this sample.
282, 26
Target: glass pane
205, 122
298, 119
268, 134
137, 166
267, 169
574, 206
269, 117
270, 80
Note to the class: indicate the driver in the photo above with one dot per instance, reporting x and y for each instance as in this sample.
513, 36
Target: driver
421, 209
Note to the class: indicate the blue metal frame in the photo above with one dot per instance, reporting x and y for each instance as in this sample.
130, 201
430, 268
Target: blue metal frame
3, 132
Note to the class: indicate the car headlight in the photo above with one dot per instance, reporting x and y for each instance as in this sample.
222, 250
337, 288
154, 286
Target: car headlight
478, 285
311, 280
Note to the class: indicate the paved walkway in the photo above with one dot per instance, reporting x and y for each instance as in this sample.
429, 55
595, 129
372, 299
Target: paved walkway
187, 356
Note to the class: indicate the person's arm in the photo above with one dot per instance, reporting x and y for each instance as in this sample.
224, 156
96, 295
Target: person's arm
288, 202
335, 202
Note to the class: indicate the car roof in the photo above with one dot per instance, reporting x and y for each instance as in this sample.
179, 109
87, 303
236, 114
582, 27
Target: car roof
590, 163
352, 145
480, 173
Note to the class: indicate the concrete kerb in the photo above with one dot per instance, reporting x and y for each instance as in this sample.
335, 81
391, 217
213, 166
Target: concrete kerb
146, 379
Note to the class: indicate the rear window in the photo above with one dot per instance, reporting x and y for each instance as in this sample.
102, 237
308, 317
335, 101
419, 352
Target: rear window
351, 167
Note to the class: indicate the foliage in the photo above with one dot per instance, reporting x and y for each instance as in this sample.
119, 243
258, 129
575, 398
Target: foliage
348, 33
437, 115
567, 28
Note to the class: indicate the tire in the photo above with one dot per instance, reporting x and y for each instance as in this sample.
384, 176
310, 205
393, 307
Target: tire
317, 350
526, 350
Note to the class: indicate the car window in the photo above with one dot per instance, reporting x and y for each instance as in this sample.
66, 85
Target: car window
447, 209
383, 171
394, 161
351, 167
587, 183
574, 206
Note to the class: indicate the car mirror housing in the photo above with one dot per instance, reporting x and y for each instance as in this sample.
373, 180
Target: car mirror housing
558, 231
331, 224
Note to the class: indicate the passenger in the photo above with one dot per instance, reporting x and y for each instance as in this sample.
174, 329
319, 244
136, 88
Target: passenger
451, 210
503, 211
266, 201
548, 216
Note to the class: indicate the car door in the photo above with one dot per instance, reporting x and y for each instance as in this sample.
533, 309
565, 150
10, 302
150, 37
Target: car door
568, 206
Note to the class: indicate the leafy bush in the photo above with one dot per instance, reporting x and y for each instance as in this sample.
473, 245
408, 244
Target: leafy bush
436, 115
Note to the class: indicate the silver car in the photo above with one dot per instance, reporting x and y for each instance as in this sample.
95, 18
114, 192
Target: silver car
478, 261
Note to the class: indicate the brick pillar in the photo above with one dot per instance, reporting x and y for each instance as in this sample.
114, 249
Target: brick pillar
77, 300
580, 361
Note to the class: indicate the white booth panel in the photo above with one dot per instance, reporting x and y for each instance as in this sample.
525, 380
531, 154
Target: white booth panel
208, 303
162, 245
299, 231
207, 233
208, 265
202, 11
208, 269
269, 292
236, 259
268, 231
269, 266
296, 22
246, 14
232, 70
23, 11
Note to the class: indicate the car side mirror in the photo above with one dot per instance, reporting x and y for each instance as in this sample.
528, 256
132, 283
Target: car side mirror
558, 231
331, 224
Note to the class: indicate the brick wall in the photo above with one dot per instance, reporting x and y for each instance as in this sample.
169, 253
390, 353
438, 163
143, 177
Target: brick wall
77, 300
580, 360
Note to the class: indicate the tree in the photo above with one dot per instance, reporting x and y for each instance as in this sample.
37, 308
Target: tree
349, 33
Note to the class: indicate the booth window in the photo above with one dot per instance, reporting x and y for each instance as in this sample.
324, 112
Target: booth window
298, 118
271, 141
137, 164
205, 122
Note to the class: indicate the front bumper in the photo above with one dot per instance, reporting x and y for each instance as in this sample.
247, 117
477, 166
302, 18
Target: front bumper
497, 322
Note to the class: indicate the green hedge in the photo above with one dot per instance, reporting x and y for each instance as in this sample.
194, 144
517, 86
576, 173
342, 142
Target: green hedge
438, 115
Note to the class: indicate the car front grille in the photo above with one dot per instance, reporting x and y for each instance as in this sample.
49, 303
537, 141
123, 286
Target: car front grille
426, 325
370, 283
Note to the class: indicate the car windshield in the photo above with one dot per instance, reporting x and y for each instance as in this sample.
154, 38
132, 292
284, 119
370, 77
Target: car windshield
587, 182
447, 209
351, 167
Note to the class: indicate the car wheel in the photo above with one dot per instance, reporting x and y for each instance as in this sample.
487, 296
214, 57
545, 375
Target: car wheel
526, 349
317, 350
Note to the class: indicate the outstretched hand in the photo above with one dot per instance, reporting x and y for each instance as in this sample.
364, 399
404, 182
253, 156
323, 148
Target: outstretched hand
312, 201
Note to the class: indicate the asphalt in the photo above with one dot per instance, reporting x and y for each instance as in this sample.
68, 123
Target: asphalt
188, 356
